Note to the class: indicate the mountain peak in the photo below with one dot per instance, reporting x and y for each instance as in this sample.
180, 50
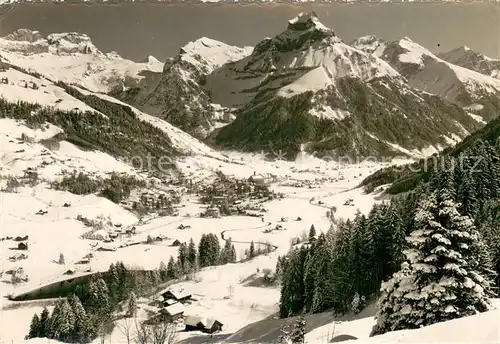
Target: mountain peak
306, 21
31, 42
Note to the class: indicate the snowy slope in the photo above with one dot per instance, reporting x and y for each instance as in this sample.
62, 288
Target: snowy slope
20, 86
333, 98
72, 58
306, 44
483, 328
468, 58
178, 96
208, 54
428, 72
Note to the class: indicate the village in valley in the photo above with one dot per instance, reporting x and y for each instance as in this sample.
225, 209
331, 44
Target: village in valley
258, 215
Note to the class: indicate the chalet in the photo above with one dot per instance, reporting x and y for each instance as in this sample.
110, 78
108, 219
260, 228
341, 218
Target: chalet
69, 272
18, 238
174, 312
14, 271
257, 179
83, 261
106, 248
66, 205
176, 242
168, 302
130, 230
22, 246
182, 226
17, 257
179, 296
213, 212
207, 325
100, 235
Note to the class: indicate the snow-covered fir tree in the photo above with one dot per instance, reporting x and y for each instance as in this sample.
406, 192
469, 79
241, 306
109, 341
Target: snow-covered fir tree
298, 334
312, 232
173, 269
440, 279
34, 327
81, 328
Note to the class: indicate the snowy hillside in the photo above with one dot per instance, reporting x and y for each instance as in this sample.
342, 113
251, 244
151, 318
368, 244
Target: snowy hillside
468, 58
468, 82
178, 96
72, 58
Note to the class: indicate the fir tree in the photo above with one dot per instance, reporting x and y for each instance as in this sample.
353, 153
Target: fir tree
34, 327
81, 328
172, 269
132, 306
312, 232
164, 271
62, 321
61, 259
208, 250
192, 256
183, 258
440, 280
251, 252
44, 329
232, 256
298, 333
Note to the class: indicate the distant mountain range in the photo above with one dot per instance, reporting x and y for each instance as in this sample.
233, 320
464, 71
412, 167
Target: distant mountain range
306, 89
303, 90
235, 1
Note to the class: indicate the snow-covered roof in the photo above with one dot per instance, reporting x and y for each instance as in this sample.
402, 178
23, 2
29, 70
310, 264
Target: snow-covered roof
177, 294
194, 320
176, 308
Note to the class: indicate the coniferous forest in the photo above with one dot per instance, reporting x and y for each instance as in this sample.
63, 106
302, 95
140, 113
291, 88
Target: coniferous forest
429, 255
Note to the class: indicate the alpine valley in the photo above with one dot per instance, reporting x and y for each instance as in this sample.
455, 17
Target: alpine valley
279, 193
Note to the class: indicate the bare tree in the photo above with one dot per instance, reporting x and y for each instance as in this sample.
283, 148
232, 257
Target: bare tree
160, 332
125, 326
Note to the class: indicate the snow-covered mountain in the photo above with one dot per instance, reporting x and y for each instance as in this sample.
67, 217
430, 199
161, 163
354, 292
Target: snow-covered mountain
238, 1
73, 58
307, 89
178, 95
471, 59
462, 83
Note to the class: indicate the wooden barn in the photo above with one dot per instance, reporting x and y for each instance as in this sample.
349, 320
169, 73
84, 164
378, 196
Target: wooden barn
197, 323
22, 246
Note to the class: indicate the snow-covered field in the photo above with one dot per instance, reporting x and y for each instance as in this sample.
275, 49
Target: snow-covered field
58, 231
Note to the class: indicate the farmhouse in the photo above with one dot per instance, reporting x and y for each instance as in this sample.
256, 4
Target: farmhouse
69, 272
179, 296
177, 242
83, 261
22, 246
106, 248
174, 312
18, 238
213, 212
207, 325
18, 256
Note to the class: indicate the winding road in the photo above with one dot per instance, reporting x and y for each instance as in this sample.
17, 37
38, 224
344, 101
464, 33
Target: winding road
312, 201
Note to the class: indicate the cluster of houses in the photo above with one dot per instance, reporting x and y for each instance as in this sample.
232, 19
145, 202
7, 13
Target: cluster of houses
227, 195
349, 201
173, 306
